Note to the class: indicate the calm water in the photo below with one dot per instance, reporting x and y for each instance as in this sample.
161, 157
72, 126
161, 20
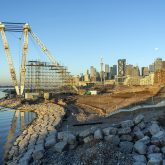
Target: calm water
11, 124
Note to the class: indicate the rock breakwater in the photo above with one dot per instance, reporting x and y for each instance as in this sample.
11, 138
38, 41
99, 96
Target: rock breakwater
40, 135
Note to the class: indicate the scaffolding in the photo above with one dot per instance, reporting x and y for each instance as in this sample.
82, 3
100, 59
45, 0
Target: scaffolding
45, 77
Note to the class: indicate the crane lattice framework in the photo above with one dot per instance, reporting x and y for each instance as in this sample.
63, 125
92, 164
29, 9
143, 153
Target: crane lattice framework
25, 28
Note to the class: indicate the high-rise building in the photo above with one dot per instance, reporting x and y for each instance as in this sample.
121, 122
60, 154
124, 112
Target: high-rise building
93, 74
113, 71
87, 76
121, 67
136, 71
129, 70
151, 68
132, 71
107, 73
145, 71
92, 71
158, 64
98, 76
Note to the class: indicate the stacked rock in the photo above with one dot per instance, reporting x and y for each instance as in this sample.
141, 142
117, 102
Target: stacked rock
39, 136
145, 141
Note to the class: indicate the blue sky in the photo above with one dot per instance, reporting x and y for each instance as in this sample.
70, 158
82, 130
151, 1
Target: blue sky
79, 32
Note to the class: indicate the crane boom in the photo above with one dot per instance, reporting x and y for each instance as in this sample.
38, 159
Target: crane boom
26, 29
44, 49
9, 58
48, 54
62, 70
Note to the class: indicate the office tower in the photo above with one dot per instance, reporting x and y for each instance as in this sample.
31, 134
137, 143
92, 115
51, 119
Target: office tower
151, 68
87, 76
145, 71
93, 74
129, 70
136, 71
121, 67
98, 76
113, 71
158, 64
107, 73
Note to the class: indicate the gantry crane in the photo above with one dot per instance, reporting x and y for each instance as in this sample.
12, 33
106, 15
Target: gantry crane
25, 28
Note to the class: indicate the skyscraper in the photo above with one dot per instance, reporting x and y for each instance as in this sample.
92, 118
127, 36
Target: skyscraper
145, 71
136, 71
151, 68
93, 74
158, 64
107, 73
129, 70
121, 67
113, 71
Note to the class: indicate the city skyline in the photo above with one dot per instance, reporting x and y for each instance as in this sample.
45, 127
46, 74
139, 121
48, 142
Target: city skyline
78, 33
160, 65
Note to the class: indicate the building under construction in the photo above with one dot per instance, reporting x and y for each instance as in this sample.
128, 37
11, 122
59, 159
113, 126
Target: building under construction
45, 77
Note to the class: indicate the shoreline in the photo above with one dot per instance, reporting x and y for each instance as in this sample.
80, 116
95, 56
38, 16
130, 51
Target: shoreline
31, 144
33, 140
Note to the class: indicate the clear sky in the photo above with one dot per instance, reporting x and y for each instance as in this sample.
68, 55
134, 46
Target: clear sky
79, 32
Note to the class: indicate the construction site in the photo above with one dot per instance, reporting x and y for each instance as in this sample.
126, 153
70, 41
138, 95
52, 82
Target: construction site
71, 127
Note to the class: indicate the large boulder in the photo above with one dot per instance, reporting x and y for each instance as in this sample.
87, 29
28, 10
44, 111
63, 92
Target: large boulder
114, 139
140, 158
110, 131
38, 153
141, 125
153, 149
60, 146
62, 135
87, 132
139, 163
127, 123
158, 139
50, 141
123, 131
70, 139
140, 147
138, 119
138, 135
88, 139
155, 155
163, 150
155, 159
145, 140
126, 138
154, 129
98, 135
126, 147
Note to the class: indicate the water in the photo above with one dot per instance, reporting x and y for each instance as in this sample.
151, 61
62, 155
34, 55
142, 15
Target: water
2, 94
11, 124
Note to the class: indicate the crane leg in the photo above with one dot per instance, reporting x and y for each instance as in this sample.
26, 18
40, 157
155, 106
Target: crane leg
9, 58
24, 55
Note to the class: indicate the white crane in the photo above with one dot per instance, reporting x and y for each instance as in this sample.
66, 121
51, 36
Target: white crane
25, 28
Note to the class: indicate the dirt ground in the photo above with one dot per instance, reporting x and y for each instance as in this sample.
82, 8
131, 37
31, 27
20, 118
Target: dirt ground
119, 98
87, 116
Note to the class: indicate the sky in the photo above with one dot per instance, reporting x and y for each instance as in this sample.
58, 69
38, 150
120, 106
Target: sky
79, 32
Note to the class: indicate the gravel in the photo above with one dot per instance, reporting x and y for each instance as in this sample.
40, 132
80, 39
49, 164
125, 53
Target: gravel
95, 153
